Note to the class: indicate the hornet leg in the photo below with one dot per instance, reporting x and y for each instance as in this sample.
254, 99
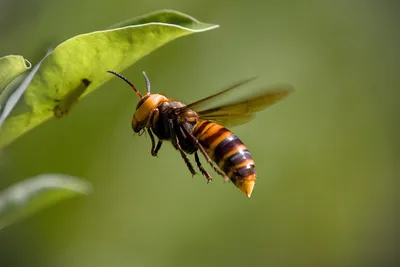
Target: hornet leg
175, 141
152, 117
155, 152
153, 143
154, 149
206, 156
203, 171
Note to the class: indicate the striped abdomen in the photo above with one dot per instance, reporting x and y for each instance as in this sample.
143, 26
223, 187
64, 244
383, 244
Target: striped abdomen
229, 153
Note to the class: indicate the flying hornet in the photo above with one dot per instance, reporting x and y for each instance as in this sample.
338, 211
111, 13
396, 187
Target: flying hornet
193, 128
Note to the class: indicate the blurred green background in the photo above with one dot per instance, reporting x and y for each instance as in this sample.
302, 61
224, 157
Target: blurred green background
325, 155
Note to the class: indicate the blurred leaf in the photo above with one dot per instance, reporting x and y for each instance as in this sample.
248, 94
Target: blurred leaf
10, 67
32, 195
86, 57
13, 93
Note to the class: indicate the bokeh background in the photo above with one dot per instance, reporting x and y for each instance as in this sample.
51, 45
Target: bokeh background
325, 155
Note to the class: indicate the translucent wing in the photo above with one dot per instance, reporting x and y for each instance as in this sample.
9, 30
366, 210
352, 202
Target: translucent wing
198, 105
242, 111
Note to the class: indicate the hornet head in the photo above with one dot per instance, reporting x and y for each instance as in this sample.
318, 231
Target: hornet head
147, 103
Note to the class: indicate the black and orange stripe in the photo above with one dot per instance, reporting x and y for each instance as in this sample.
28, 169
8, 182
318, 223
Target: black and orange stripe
228, 152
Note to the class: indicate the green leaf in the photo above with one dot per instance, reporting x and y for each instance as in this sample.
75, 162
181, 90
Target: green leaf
13, 93
10, 67
78, 66
34, 194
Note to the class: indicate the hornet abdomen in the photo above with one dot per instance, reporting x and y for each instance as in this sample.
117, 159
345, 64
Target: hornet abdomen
228, 152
